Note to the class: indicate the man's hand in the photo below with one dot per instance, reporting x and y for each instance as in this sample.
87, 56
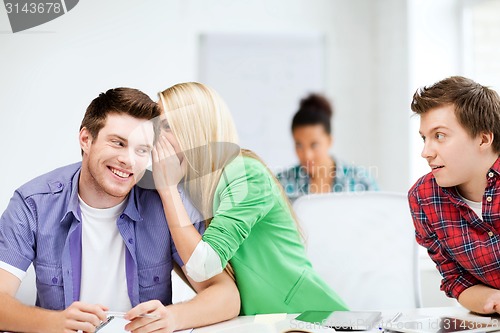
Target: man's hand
164, 321
492, 303
481, 299
17, 317
81, 316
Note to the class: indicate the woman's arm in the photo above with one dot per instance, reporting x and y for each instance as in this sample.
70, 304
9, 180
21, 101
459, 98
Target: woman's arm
186, 237
245, 195
168, 172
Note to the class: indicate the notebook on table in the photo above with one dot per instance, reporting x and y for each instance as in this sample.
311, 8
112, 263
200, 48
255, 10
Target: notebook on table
342, 320
442, 325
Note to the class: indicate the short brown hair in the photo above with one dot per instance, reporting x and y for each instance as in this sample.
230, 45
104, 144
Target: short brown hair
477, 107
128, 101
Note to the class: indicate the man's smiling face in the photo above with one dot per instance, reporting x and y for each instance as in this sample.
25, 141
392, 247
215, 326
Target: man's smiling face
115, 160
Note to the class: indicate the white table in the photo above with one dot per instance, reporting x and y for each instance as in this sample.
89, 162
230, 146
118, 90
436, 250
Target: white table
249, 324
257, 324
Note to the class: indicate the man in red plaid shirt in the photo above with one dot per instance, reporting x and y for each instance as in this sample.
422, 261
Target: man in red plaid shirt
456, 207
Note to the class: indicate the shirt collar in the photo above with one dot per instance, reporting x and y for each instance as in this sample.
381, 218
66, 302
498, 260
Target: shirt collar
73, 204
131, 209
453, 191
496, 166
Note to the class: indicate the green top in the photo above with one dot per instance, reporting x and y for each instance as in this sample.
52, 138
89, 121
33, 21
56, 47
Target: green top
254, 229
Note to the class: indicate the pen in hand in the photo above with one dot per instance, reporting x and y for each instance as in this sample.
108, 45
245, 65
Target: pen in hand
104, 323
122, 314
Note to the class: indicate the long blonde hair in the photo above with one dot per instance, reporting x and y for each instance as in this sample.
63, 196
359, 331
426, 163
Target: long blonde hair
204, 128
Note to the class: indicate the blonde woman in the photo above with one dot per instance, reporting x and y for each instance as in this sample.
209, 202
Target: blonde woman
251, 230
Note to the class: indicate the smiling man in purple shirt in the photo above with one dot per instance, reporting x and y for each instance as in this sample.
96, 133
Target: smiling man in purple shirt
97, 241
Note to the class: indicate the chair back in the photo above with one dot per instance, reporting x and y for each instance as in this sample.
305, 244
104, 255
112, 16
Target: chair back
363, 244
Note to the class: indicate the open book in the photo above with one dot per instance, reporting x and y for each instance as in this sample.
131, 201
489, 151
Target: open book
311, 322
276, 323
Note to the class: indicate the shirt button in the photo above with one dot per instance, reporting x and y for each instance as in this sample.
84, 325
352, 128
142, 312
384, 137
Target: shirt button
490, 233
122, 216
156, 279
54, 280
489, 199
491, 174
130, 241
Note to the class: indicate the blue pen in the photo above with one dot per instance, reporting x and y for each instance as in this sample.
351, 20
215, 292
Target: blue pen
392, 320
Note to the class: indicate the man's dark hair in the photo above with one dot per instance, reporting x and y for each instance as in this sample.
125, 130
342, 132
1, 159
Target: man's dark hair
127, 101
477, 107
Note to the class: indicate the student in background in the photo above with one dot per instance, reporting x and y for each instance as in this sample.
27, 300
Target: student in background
318, 171
250, 222
96, 240
456, 207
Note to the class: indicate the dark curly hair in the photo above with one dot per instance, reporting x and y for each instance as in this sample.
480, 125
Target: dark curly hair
315, 109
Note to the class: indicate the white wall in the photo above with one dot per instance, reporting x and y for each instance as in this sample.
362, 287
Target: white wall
390, 86
50, 73
435, 52
435, 34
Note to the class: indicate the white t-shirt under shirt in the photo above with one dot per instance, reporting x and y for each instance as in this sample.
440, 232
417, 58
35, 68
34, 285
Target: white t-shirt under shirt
103, 278
477, 207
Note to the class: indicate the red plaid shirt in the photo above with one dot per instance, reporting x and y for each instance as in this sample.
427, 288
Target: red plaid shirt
465, 249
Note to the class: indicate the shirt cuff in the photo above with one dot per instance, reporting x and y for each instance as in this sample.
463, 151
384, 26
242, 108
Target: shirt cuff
454, 289
204, 263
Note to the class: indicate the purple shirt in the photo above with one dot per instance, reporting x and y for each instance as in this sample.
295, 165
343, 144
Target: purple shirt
42, 224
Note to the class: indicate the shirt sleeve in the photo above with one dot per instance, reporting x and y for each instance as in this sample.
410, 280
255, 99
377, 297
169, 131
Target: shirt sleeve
17, 233
245, 197
204, 263
455, 278
282, 178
